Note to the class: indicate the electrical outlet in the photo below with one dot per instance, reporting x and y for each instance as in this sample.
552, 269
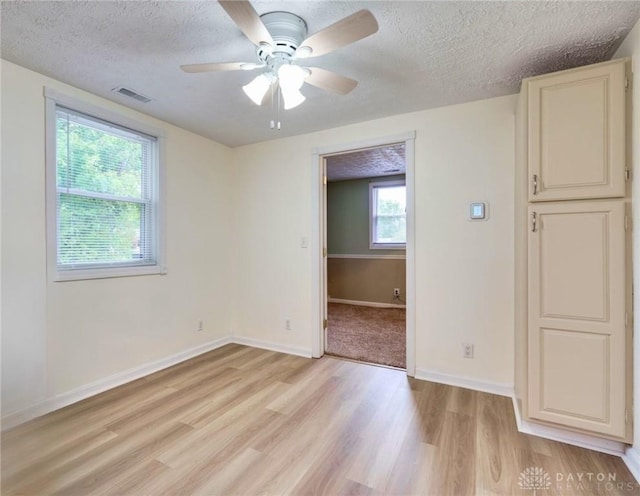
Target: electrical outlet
396, 291
287, 325
200, 326
467, 350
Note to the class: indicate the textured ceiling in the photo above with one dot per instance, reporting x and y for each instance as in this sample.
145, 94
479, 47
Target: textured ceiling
373, 162
426, 54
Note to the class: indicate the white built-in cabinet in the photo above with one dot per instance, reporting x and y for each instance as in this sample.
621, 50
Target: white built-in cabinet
573, 267
576, 315
576, 134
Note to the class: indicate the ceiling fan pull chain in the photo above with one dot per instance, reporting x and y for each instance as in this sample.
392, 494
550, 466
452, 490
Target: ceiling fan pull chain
272, 123
278, 109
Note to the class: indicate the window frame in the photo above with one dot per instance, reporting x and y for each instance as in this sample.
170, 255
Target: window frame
53, 100
373, 185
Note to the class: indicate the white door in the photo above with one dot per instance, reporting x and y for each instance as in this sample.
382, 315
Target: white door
325, 285
577, 362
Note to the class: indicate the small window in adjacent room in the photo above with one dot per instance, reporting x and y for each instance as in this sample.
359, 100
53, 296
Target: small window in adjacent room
103, 194
388, 215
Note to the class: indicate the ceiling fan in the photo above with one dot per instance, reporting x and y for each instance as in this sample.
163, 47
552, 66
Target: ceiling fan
281, 41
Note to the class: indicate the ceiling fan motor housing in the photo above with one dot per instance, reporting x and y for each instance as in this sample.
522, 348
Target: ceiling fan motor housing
287, 30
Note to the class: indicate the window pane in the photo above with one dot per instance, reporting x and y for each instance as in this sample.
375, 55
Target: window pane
390, 214
105, 177
391, 229
392, 200
91, 158
94, 231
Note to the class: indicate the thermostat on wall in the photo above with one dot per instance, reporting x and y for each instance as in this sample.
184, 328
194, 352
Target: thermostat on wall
478, 211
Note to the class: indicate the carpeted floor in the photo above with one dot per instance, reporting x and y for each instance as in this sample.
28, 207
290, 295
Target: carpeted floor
376, 335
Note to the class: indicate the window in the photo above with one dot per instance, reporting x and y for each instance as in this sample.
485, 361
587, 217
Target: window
103, 208
388, 215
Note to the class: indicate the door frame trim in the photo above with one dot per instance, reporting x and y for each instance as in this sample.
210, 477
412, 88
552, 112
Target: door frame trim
319, 293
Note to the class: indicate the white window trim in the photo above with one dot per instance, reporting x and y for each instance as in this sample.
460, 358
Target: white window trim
381, 246
54, 98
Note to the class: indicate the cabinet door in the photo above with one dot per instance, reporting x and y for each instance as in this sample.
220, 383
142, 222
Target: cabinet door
577, 315
576, 134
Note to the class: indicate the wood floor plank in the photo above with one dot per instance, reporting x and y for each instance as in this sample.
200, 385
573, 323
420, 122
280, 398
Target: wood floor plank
134, 481
81, 475
65, 453
454, 468
384, 436
226, 429
496, 445
244, 421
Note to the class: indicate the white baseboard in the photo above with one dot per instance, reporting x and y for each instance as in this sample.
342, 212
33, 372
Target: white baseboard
267, 345
101, 385
516, 411
631, 458
570, 437
465, 382
367, 257
374, 304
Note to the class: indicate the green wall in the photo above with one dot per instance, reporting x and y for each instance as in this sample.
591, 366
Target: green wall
348, 217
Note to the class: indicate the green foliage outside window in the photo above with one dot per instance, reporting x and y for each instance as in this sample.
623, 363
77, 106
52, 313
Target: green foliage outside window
391, 221
100, 175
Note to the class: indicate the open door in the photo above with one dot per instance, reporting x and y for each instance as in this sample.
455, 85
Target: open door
325, 303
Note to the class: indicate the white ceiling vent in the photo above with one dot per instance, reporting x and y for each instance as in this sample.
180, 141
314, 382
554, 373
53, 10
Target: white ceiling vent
131, 94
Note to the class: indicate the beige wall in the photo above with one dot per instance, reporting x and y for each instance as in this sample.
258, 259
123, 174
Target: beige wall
464, 270
366, 279
57, 336
631, 48
348, 221
234, 251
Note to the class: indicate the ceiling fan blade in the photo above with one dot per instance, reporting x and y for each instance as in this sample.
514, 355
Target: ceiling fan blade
342, 33
330, 81
248, 20
218, 67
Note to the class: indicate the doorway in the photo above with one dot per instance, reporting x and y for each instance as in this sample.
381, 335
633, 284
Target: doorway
365, 299
366, 263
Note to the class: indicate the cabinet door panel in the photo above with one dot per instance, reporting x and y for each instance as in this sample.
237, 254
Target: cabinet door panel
573, 280
576, 315
576, 134
575, 363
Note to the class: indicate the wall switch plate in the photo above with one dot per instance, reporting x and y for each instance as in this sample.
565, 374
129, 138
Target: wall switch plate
467, 350
478, 211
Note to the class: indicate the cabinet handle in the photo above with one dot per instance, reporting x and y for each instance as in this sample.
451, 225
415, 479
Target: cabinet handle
535, 184
534, 222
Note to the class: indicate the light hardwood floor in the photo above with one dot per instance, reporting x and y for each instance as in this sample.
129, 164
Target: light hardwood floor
239, 420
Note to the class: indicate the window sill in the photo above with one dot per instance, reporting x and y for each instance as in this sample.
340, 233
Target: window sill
388, 246
107, 273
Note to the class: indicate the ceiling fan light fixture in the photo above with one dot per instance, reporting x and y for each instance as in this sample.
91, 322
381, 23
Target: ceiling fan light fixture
291, 76
292, 97
257, 89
